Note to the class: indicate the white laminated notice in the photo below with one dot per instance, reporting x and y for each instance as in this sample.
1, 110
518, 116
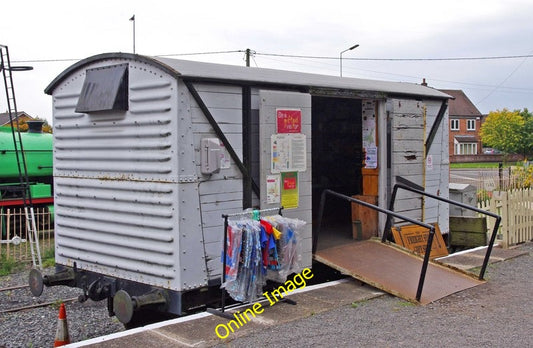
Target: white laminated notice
288, 153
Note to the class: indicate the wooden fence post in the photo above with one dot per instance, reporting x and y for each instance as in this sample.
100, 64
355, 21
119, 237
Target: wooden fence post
8, 229
515, 206
499, 206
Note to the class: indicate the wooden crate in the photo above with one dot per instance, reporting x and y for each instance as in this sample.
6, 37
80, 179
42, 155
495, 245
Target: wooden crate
364, 220
468, 231
370, 181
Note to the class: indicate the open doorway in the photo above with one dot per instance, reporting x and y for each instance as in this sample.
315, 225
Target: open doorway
337, 158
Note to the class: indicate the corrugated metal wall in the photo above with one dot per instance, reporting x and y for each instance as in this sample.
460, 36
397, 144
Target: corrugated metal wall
115, 180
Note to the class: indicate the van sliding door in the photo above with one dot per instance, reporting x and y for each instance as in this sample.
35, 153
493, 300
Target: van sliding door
285, 158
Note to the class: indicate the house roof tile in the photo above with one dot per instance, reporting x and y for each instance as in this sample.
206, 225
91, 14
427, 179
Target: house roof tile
4, 117
461, 105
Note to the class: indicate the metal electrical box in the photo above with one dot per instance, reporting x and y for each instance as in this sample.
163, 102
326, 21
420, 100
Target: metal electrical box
210, 155
463, 193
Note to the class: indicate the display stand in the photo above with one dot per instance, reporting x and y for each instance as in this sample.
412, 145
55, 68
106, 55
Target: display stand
255, 214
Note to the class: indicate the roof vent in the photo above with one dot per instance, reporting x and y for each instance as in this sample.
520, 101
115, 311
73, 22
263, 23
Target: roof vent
104, 89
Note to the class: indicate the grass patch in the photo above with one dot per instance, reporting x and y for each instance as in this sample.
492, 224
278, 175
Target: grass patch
48, 258
356, 304
19, 257
6, 265
57, 304
477, 165
477, 270
403, 304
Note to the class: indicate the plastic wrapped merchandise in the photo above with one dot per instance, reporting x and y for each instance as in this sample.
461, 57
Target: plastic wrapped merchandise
250, 279
233, 253
289, 247
260, 249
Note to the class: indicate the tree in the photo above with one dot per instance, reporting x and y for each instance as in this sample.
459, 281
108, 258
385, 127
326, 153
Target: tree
527, 142
506, 131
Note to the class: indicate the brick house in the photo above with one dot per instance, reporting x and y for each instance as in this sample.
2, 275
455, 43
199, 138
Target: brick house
21, 117
465, 125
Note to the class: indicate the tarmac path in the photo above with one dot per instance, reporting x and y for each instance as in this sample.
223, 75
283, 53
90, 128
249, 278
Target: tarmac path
488, 178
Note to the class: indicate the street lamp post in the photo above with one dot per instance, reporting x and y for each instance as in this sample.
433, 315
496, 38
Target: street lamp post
346, 50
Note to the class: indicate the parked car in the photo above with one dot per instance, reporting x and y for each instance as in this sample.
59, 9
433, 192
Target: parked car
491, 151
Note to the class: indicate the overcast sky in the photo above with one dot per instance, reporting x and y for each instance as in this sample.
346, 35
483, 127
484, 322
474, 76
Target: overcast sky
52, 35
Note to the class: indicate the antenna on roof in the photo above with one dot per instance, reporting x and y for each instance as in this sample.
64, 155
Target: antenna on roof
133, 20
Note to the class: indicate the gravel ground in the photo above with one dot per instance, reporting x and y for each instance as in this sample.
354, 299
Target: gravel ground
37, 327
498, 313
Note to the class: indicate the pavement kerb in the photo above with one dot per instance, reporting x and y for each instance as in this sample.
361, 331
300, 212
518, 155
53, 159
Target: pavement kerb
198, 330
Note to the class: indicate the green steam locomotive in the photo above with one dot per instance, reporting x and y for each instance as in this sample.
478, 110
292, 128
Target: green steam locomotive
38, 149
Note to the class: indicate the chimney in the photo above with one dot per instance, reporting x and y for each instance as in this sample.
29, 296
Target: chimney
424, 83
35, 126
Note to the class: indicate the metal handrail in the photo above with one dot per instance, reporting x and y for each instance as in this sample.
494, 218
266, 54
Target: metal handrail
389, 214
498, 218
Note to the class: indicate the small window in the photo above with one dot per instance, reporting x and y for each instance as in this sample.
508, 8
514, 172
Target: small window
104, 89
471, 125
454, 124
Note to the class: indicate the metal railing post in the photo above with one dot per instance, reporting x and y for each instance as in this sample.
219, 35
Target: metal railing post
388, 224
389, 214
462, 205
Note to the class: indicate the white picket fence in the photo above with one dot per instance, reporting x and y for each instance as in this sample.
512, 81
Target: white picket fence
516, 209
14, 242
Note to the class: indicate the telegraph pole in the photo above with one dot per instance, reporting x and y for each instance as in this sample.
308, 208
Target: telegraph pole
248, 53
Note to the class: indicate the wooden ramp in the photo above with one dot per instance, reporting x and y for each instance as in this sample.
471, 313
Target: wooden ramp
395, 270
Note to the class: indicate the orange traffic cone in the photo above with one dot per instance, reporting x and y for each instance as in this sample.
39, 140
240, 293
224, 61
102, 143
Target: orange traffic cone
62, 337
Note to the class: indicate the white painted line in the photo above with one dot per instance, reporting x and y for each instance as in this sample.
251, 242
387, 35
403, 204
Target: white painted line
106, 338
178, 341
465, 252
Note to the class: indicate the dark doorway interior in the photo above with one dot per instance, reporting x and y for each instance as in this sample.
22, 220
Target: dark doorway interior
337, 161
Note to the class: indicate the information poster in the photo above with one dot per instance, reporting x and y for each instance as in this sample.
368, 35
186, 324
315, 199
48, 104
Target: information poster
289, 120
289, 190
288, 153
273, 189
371, 157
369, 134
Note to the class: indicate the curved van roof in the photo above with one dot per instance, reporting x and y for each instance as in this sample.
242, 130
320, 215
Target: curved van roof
259, 76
